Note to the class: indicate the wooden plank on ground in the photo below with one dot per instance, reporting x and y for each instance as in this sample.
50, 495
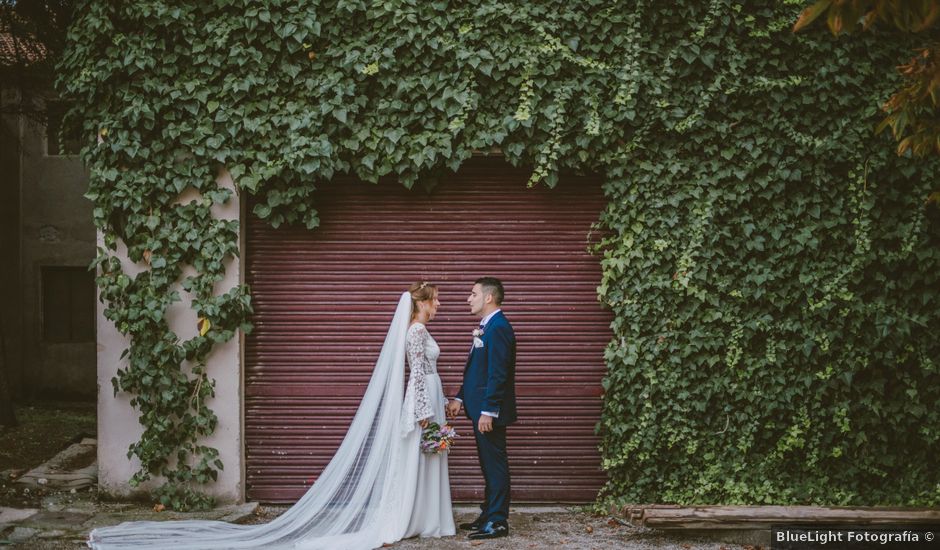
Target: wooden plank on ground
764, 517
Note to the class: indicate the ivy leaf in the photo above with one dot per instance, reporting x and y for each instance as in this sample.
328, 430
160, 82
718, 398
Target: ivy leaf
262, 210
203, 325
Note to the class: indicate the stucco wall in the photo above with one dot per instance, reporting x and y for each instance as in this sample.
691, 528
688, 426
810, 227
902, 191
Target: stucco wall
117, 420
56, 230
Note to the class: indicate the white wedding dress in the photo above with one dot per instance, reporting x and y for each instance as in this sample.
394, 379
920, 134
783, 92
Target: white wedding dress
378, 488
432, 515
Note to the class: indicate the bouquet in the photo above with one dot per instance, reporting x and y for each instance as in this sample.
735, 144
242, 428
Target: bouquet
437, 439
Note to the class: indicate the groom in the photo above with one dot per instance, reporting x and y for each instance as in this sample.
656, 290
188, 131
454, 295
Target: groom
488, 394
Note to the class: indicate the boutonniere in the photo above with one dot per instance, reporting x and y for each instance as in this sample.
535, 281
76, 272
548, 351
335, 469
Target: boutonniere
477, 335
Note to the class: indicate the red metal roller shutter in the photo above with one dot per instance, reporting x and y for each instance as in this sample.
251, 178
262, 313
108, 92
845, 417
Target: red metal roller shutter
323, 300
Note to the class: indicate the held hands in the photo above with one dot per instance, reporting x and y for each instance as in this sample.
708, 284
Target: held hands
453, 407
485, 423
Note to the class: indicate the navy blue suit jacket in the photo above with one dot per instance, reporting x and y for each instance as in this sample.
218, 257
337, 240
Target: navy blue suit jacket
489, 377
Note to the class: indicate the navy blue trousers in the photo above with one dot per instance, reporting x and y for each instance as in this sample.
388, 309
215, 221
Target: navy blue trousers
494, 462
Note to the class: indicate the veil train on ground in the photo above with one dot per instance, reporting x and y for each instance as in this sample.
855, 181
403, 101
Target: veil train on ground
360, 501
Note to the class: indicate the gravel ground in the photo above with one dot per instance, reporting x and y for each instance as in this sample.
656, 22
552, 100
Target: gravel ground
531, 528
550, 527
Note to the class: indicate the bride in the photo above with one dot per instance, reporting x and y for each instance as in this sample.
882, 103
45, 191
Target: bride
378, 488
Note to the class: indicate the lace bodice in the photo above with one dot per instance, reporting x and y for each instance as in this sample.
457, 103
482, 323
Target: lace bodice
422, 353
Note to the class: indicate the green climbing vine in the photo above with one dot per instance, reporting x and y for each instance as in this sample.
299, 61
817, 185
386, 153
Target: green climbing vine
771, 264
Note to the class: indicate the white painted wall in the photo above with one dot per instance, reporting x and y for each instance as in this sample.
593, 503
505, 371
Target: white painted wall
118, 427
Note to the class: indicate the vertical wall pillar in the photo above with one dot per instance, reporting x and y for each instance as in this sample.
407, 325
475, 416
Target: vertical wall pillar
118, 426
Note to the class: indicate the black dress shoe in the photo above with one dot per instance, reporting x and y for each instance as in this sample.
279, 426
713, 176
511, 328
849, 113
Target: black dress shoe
492, 530
474, 525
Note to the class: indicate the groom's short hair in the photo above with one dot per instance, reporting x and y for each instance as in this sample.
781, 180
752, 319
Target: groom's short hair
492, 286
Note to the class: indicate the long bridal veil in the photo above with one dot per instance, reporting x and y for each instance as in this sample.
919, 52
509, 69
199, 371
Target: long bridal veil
363, 498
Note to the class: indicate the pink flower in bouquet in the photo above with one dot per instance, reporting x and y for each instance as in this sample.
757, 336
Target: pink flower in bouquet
437, 439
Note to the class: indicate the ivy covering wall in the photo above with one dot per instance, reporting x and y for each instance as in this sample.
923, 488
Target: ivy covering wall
771, 264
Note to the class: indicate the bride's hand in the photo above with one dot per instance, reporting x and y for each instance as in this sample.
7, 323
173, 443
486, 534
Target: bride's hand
423, 423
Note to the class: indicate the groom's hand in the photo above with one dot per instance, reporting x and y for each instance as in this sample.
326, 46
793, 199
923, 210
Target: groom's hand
485, 424
453, 407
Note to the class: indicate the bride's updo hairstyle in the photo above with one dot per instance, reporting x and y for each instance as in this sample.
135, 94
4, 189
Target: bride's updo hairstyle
421, 291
